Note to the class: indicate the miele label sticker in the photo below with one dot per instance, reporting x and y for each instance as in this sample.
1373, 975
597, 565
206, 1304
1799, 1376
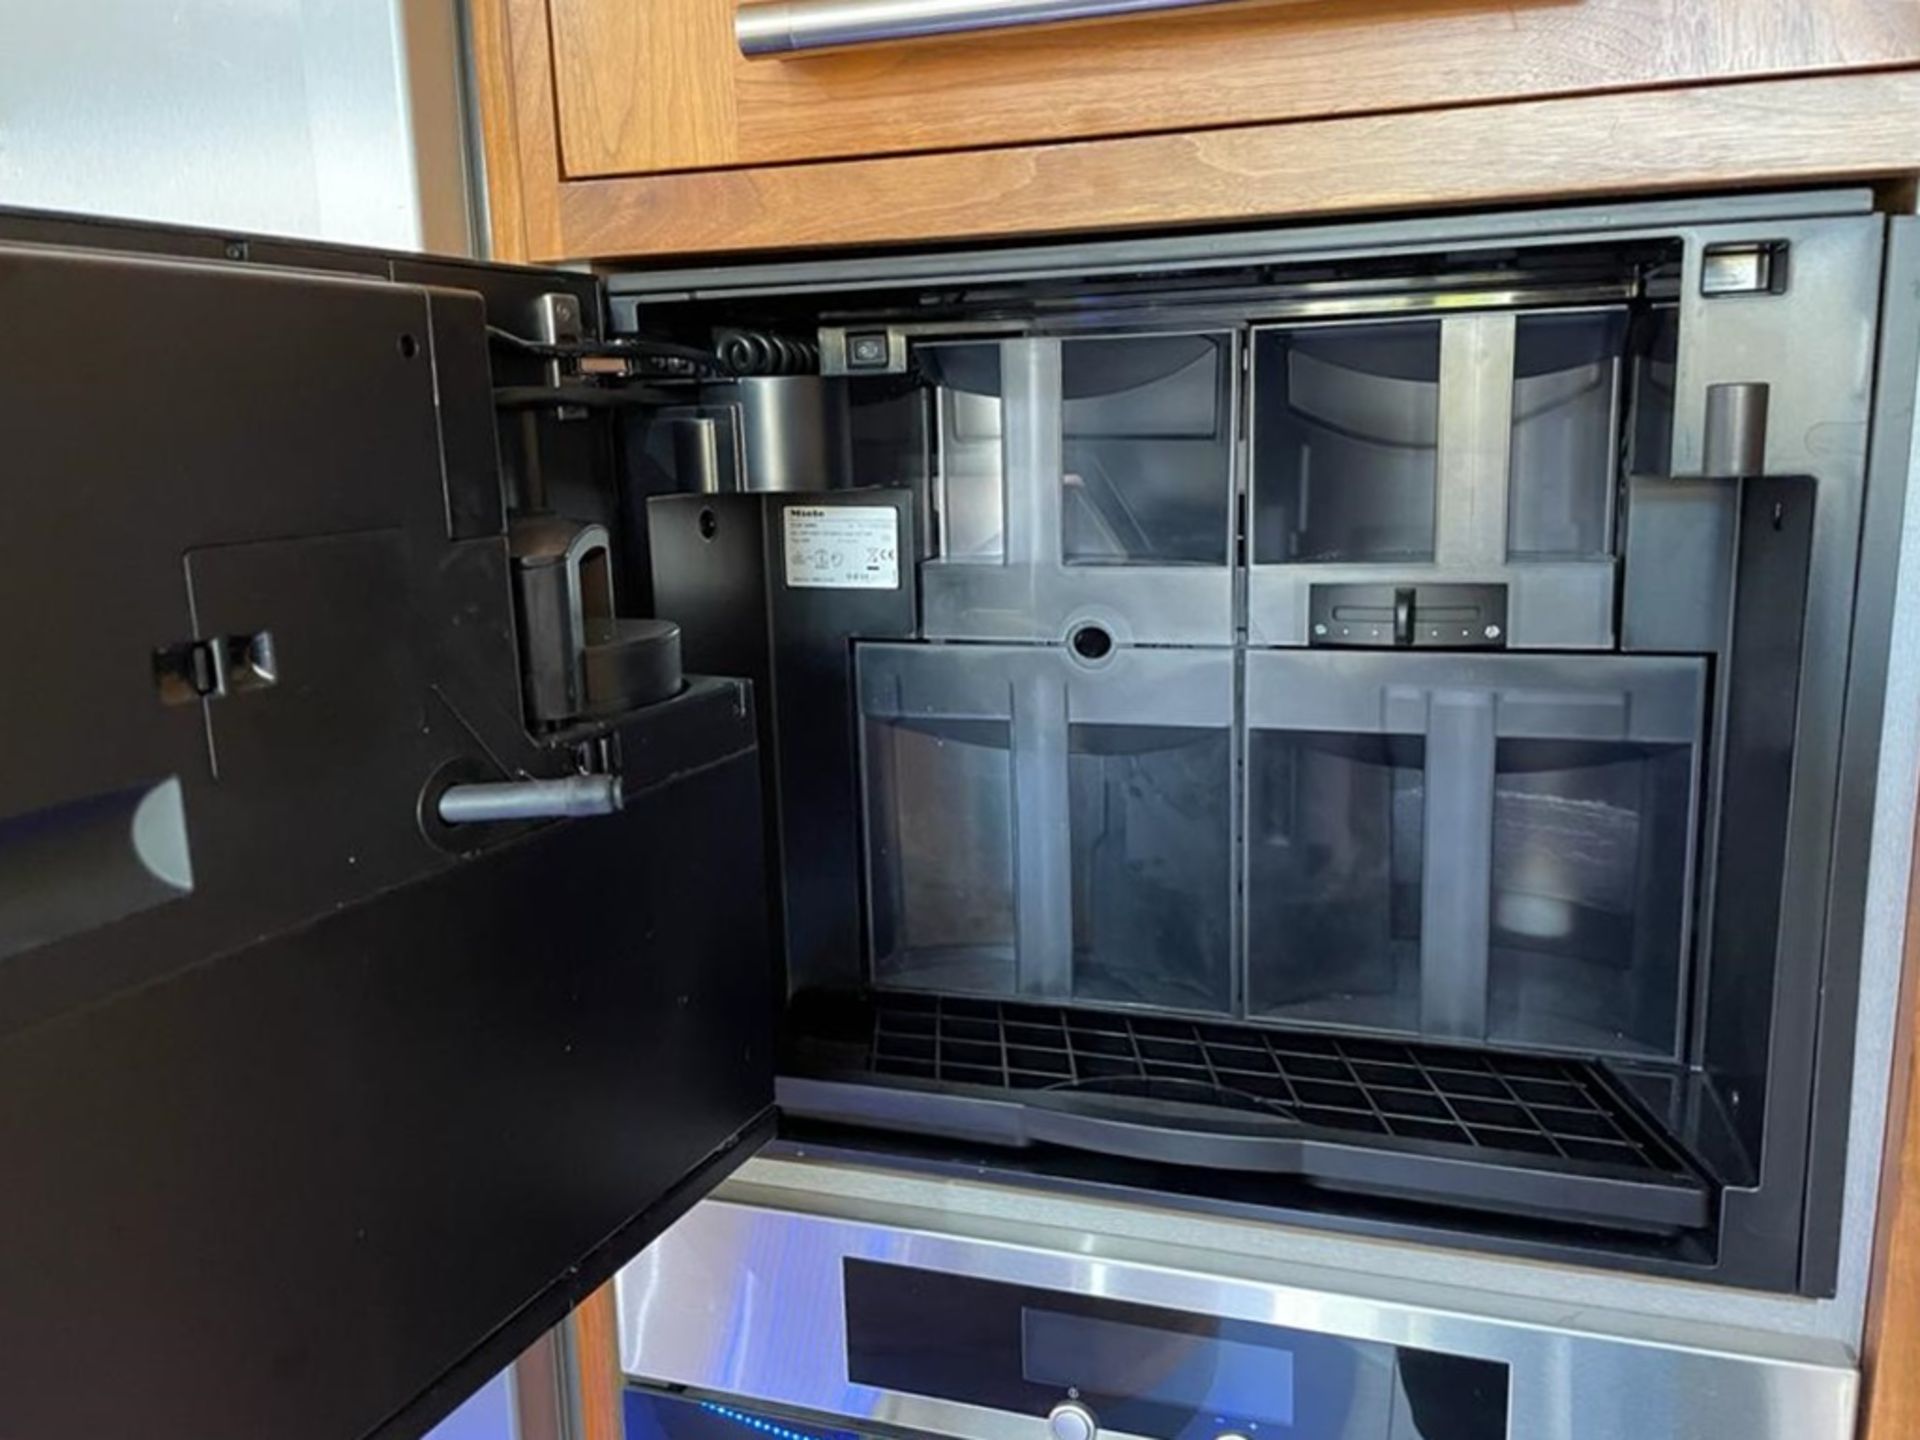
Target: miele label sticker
843, 547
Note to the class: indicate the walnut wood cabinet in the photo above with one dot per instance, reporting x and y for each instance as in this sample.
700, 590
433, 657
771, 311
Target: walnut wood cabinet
627, 128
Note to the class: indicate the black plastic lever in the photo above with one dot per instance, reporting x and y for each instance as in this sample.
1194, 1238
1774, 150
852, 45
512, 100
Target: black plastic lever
1403, 615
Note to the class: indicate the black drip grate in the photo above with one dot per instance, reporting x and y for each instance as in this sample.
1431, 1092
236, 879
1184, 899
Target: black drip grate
1499, 1104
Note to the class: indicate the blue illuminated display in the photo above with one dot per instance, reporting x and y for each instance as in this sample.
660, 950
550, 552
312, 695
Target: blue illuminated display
659, 1417
754, 1422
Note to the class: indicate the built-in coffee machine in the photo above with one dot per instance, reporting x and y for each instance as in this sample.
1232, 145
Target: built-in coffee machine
1345, 725
1286, 742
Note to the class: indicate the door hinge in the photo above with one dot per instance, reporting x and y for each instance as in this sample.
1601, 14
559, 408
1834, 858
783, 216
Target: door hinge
557, 322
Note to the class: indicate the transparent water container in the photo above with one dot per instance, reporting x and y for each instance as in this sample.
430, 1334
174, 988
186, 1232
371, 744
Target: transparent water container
1152, 864
970, 495
1083, 477
940, 838
1562, 455
1590, 871
1040, 825
1492, 847
1346, 436
1477, 449
1146, 449
1335, 855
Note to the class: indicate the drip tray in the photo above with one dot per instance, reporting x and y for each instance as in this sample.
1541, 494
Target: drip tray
1544, 1137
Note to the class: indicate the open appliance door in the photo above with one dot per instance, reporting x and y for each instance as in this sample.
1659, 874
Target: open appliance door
316, 1108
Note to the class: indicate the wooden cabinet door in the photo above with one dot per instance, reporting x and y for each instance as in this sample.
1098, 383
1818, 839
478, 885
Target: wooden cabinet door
659, 86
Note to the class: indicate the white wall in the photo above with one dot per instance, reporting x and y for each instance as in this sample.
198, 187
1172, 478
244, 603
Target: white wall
326, 119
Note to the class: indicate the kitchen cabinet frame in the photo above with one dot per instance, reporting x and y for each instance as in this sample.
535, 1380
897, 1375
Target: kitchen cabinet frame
1759, 123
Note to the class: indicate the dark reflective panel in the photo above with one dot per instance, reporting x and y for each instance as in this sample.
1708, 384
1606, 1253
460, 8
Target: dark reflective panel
1151, 1372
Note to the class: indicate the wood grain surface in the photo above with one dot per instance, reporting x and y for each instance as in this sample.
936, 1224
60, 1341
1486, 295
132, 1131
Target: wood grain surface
596, 1348
1772, 132
661, 86
1891, 1408
512, 69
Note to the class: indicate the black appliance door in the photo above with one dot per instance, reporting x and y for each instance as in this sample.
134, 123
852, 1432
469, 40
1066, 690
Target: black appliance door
312, 1114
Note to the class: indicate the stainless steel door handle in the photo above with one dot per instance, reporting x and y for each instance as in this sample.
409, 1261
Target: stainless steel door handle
783, 27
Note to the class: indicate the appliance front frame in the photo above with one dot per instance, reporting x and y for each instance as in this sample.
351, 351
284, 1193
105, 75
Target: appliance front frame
1875, 727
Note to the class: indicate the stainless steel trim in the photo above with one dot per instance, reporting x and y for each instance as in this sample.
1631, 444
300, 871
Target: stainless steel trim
1325, 304
1880, 768
746, 1301
696, 452
1295, 242
785, 27
1735, 432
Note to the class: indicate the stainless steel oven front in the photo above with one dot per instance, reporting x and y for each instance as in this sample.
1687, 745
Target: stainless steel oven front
858, 1320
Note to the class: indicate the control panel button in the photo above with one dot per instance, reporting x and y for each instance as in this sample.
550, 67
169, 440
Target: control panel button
867, 350
1070, 1420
